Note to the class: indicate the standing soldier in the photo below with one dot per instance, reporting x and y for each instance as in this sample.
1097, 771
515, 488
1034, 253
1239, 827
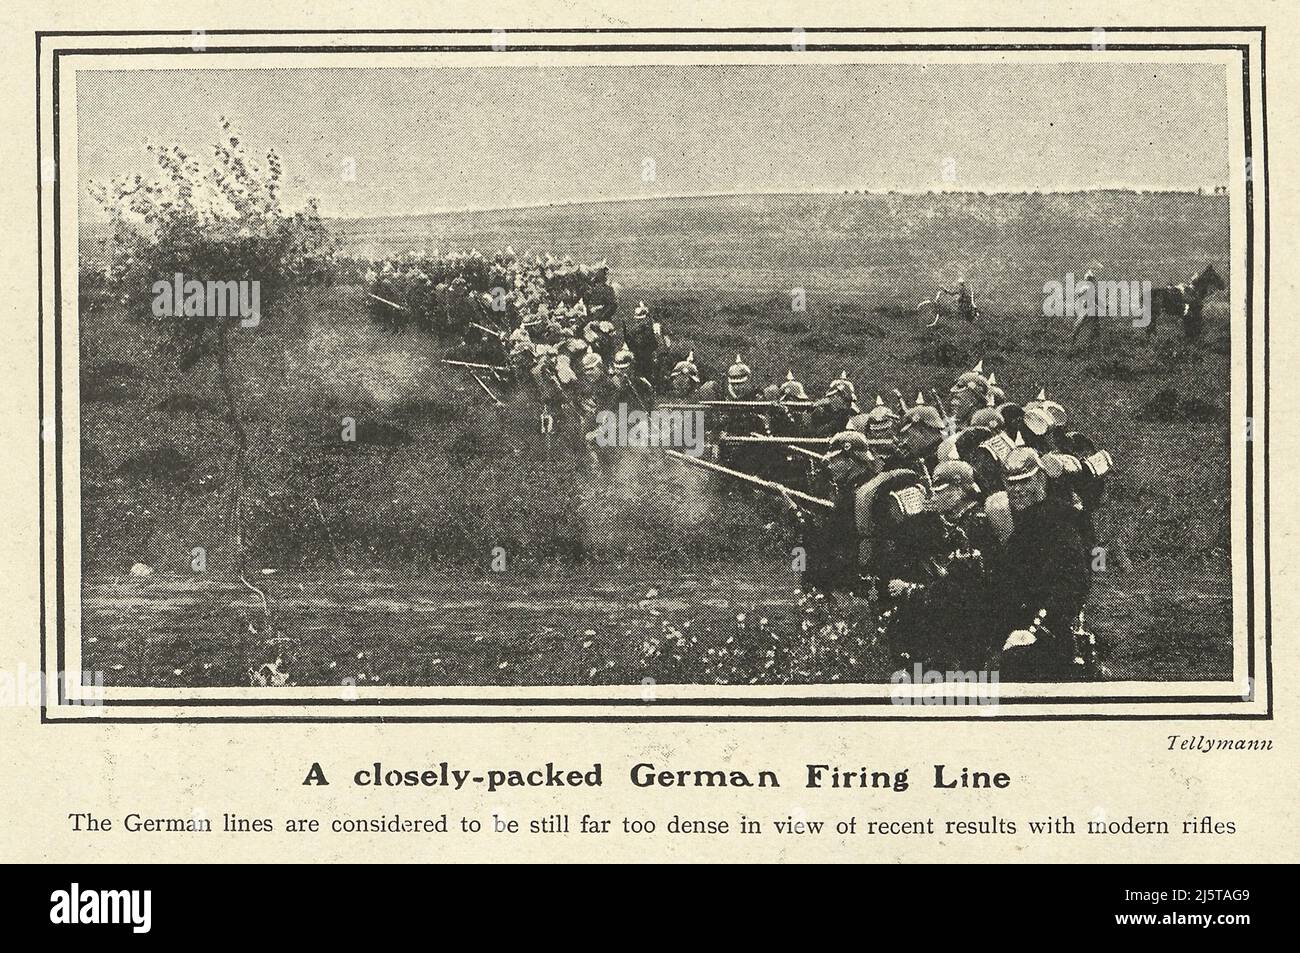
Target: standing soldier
522, 359
684, 382
832, 413
1040, 578
641, 336
385, 297
919, 435
602, 299
953, 606
599, 336
833, 545
550, 386
908, 553
627, 386
1089, 317
878, 423
789, 418
737, 421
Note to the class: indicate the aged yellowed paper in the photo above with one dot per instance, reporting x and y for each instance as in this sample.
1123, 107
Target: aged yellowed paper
855, 435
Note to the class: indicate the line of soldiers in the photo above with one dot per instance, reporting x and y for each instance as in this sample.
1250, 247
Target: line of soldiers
974, 530
969, 521
463, 297
970, 524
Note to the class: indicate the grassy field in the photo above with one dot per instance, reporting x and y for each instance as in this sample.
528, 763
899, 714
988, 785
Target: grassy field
382, 549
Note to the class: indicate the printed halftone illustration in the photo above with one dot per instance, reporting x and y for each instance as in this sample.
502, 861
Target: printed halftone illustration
711, 375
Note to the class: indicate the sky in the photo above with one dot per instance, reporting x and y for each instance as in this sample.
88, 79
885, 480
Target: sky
432, 139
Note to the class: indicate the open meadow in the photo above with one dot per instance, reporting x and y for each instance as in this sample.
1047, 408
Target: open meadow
376, 558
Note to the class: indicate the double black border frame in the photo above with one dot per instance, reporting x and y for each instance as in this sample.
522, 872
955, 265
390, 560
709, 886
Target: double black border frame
723, 702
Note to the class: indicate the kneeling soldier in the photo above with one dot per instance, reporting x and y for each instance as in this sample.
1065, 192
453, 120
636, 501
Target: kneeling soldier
1040, 579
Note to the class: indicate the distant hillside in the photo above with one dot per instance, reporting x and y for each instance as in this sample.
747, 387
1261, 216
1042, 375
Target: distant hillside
891, 247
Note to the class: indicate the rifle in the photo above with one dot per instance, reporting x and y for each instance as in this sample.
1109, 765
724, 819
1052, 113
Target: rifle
938, 402
492, 331
792, 441
738, 404
475, 367
768, 485
486, 389
391, 304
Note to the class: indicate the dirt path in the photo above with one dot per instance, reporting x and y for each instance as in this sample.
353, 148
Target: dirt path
326, 629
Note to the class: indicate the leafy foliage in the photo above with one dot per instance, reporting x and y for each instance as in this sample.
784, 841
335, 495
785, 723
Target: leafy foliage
221, 220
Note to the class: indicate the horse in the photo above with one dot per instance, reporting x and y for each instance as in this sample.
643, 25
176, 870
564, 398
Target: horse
1186, 301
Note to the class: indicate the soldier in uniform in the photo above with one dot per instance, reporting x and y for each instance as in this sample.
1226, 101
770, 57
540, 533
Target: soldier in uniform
832, 413
833, 544
627, 386
966, 309
419, 300
1040, 578
601, 298
968, 394
789, 418
641, 336
551, 379
684, 381
955, 602
386, 286
1089, 318
908, 544
599, 335
462, 310
919, 434
738, 421
880, 421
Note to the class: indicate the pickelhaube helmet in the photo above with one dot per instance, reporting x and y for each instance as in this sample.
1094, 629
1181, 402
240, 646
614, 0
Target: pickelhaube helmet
881, 417
793, 389
854, 444
843, 387
739, 372
623, 359
687, 368
922, 415
592, 362
957, 473
1053, 409
972, 380
987, 417
1037, 420
1020, 464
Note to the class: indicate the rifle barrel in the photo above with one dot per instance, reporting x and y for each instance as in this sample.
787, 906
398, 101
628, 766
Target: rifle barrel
391, 304
475, 367
723, 404
749, 478
794, 441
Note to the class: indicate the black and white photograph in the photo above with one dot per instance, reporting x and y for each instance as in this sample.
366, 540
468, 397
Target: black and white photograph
901, 381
